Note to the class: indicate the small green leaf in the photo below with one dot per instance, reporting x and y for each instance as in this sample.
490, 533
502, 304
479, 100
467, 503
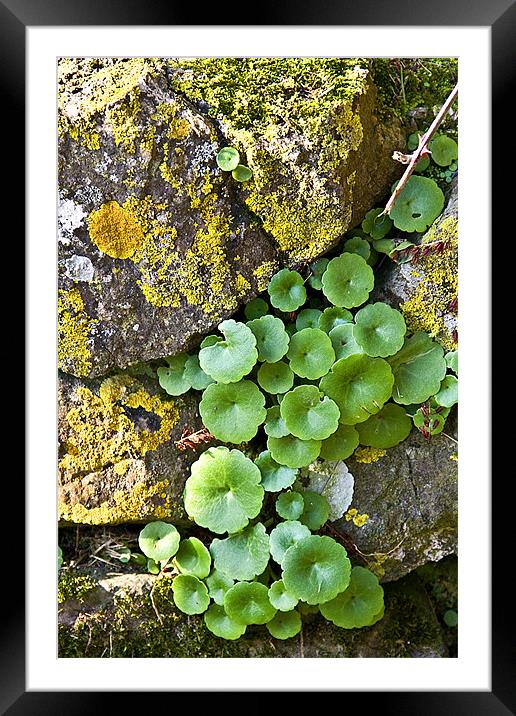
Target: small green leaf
223, 491
418, 369
333, 317
310, 353
190, 594
385, 429
284, 536
242, 173
280, 598
451, 618
271, 338
274, 477
249, 603
275, 378
59, 558
152, 566
316, 271
290, 505
343, 341
218, 584
347, 281
308, 318
341, 444
418, 205
227, 361
359, 246
242, 556
375, 225
444, 150
360, 385
256, 309
292, 451
192, 557
194, 374
448, 394
233, 413
159, 541
287, 290
431, 423
275, 425
358, 604
285, 625
308, 414
316, 569
452, 361
379, 329
173, 379
316, 510
228, 159
218, 622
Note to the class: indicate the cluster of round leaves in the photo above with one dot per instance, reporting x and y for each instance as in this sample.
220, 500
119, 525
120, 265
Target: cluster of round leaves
228, 159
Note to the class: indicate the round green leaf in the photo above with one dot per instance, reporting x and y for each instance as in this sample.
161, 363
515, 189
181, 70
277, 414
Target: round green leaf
284, 536
290, 505
209, 341
159, 541
242, 556
285, 625
152, 566
422, 165
241, 173
347, 281
333, 317
227, 361
59, 558
228, 159
444, 150
452, 361
195, 375
412, 141
310, 353
274, 477
375, 225
280, 598
192, 557
173, 379
430, 424
360, 385
287, 290
275, 425
271, 338
379, 329
341, 444
292, 451
357, 245
418, 369
315, 510
448, 393
418, 205
233, 413
343, 341
249, 603
384, 246
308, 318
223, 491
190, 594
451, 618
385, 429
316, 569
218, 584
275, 378
308, 414
358, 604
218, 622
256, 309
316, 271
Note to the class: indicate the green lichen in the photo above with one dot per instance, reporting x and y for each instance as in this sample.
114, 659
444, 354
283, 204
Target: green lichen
264, 104
75, 333
75, 586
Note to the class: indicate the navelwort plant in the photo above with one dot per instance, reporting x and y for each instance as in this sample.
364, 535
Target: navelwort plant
306, 379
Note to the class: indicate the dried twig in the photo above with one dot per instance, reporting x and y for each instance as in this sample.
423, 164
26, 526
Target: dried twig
412, 159
189, 439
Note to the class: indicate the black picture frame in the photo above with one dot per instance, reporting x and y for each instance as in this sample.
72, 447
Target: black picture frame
500, 16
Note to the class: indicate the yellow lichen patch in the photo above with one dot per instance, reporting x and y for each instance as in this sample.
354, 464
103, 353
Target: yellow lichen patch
454, 457
115, 230
143, 501
75, 329
430, 307
368, 454
103, 434
352, 515
121, 117
263, 274
242, 285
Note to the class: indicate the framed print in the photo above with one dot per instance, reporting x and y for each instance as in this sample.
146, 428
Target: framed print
255, 409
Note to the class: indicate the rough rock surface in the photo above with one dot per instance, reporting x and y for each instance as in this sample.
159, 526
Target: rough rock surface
156, 244
425, 289
117, 458
112, 616
410, 495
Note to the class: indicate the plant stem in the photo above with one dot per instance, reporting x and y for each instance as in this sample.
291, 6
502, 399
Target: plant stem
421, 150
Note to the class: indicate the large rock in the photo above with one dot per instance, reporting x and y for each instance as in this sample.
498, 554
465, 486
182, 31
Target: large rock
114, 616
410, 496
156, 244
117, 458
425, 289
